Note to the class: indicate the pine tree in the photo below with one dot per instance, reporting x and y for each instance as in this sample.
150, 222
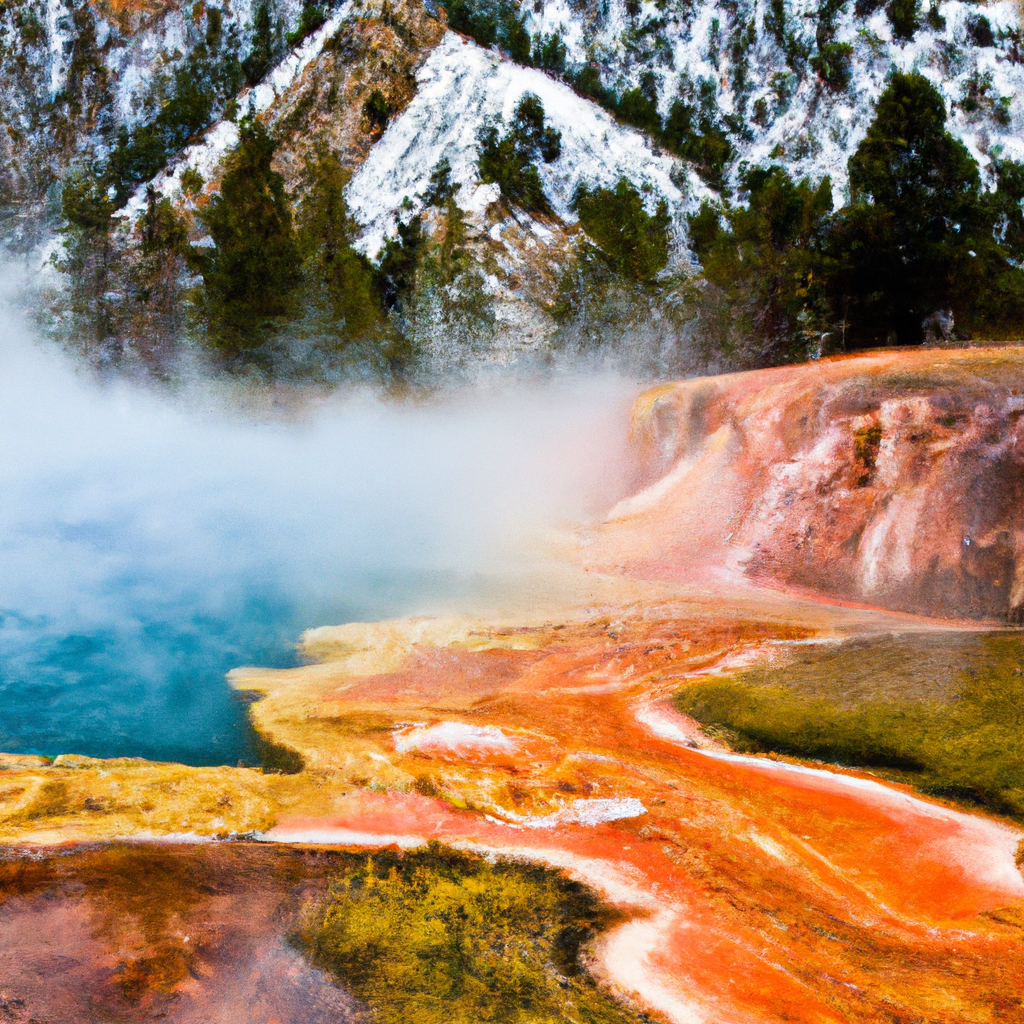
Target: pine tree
916, 212
339, 279
252, 272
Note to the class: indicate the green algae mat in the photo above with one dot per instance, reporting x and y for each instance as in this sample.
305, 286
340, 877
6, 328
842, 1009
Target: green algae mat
942, 711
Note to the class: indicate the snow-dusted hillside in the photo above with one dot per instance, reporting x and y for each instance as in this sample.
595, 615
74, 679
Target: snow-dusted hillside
459, 88
784, 116
73, 73
775, 107
157, 46
676, 97
205, 155
806, 126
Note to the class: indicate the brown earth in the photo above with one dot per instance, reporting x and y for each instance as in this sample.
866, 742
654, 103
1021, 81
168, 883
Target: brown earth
133, 16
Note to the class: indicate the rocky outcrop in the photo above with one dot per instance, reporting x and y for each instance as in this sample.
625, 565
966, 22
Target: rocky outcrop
892, 479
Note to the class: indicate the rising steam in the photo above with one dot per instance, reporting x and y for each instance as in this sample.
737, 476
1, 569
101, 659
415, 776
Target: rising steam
151, 541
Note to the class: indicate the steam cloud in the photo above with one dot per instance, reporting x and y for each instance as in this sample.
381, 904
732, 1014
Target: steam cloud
151, 541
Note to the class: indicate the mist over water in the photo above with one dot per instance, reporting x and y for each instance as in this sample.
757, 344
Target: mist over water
150, 541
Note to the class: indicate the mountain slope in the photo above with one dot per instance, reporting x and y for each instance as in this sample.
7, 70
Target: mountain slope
766, 53
672, 102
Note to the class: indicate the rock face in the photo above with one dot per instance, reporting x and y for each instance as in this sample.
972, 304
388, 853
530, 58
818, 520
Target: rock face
892, 479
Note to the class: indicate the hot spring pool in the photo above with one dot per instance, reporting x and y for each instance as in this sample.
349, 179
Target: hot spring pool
152, 540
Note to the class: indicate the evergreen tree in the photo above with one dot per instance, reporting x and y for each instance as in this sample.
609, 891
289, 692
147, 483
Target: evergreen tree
251, 273
765, 261
377, 111
692, 131
833, 62
399, 261
633, 241
262, 50
917, 221
509, 160
87, 207
639, 107
340, 280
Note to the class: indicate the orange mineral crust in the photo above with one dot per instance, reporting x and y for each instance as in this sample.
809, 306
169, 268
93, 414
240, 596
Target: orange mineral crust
778, 508
890, 478
758, 889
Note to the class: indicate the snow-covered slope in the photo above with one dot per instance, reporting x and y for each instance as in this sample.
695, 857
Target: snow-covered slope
75, 72
808, 127
774, 105
163, 41
459, 88
206, 155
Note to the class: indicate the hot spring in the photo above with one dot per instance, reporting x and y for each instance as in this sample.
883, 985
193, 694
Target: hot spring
153, 539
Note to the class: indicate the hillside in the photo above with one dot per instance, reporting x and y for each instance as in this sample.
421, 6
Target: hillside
421, 216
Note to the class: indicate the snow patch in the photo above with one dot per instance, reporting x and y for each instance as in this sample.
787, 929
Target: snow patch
148, 54
459, 87
61, 42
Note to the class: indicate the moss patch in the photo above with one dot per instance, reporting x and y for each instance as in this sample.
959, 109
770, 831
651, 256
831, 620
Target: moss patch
866, 444
942, 712
440, 937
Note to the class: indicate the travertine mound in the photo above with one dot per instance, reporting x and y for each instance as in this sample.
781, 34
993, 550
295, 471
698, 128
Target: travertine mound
893, 479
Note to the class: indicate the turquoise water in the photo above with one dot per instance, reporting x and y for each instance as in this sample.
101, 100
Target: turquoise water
152, 541
152, 684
